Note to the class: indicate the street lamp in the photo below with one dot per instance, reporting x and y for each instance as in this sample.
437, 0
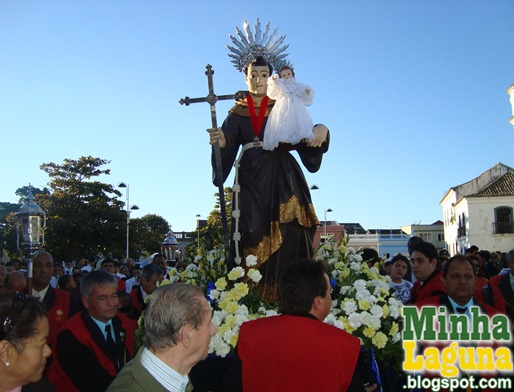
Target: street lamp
30, 236
198, 230
169, 246
129, 209
325, 224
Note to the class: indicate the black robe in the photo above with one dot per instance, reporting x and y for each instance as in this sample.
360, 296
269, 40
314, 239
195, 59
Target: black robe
277, 219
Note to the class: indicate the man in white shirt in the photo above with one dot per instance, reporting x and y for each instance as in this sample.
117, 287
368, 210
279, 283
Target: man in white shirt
178, 330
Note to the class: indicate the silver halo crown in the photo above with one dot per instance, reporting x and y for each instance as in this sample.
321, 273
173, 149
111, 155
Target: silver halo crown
251, 45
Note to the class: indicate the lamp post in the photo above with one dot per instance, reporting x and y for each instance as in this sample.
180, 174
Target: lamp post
129, 209
30, 237
325, 224
198, 231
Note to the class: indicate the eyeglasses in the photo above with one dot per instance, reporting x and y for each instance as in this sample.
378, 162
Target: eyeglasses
13, 315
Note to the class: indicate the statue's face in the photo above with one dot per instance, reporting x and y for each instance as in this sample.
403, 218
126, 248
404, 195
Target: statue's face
257, 79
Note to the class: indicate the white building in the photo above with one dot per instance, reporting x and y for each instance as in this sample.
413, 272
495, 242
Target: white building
479, 212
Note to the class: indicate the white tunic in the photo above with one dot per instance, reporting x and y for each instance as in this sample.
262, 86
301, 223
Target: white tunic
289, 121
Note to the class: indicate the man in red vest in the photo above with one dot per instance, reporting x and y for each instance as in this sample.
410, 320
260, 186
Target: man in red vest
58, 303
425, 267
296, 351
93, 346
151, 276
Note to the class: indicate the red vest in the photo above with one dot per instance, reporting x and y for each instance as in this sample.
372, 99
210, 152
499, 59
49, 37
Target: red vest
294, 353
431, 287
58, 313
58, 376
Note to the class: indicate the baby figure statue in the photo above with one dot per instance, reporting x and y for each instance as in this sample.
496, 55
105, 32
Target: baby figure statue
289, 121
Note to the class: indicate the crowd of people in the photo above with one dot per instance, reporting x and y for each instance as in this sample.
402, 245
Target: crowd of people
76, 330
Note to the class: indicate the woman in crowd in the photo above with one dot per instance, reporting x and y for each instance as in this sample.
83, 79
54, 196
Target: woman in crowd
23, 348
400, 286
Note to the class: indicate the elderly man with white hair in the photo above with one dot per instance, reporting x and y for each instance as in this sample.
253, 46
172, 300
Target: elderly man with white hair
178, 330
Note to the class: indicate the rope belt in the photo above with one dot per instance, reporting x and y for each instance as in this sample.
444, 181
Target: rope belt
236, 189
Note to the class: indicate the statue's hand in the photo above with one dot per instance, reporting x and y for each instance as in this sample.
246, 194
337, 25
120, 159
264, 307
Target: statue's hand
320, 135
217, 135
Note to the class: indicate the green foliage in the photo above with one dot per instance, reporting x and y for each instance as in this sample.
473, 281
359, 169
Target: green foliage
84, 216
147, 233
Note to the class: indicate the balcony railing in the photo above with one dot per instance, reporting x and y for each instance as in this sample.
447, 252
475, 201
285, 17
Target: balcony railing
503, 227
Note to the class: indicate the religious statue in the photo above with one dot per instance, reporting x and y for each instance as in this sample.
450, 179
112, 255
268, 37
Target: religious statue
273, 217
289, 121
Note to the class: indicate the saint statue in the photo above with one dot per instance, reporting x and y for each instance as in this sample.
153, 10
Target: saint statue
273, 217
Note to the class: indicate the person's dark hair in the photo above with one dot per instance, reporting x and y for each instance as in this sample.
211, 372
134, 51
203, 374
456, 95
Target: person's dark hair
159, 255
63, 281
446, 267
400, 258
104, 261
171, 307
24, 316
258, 61
485, 254
369, 255
412, 242
472, 249
427, 249
299, 284
150, 270
96, 277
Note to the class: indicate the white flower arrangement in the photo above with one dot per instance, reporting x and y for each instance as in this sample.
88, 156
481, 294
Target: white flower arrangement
365, 306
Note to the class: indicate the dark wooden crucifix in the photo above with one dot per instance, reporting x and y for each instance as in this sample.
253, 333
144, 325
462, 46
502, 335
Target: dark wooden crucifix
211, 99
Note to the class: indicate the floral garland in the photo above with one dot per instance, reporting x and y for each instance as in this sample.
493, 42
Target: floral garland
364, 304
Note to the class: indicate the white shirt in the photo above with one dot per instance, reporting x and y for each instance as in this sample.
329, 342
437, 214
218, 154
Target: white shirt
130, 283
165, 375
40, 294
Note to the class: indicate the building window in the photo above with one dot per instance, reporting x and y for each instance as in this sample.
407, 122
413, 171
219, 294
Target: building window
503, 220
427, 237
440, 237
461, 229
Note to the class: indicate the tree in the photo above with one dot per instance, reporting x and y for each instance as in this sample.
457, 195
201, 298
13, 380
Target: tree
83, 216
147, 233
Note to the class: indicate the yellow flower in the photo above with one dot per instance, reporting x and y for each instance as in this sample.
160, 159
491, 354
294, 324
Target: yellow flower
343, 249
223, 328
231, 321
364, 304
345, 273
241, 289
233, 340
369, 332
372, 275
394, 329
379, 340
236, 273
339, 265
231, 307
221, 284
385, 309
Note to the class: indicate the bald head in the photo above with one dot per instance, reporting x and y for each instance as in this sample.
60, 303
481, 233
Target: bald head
43, 267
